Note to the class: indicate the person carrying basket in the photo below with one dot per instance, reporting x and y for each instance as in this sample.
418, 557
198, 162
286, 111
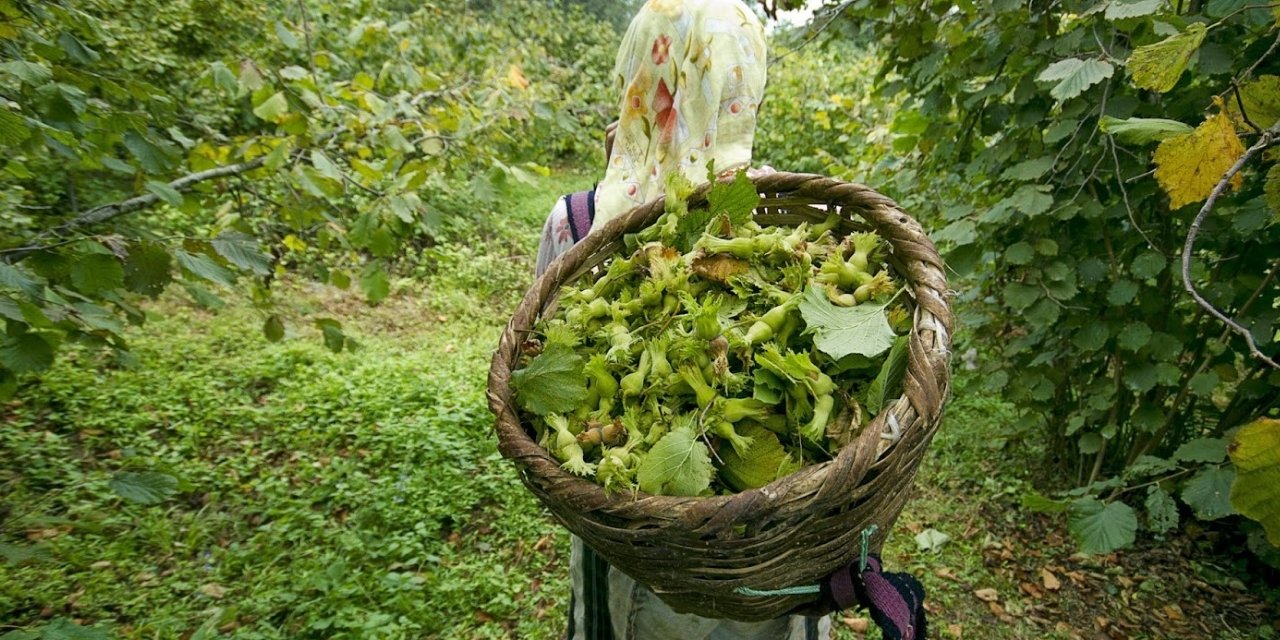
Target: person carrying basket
691, 77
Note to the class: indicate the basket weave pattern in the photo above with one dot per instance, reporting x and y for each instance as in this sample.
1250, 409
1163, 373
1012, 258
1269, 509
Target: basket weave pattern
694, 552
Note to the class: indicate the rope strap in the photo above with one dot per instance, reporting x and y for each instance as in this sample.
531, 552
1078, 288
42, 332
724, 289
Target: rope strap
789, 591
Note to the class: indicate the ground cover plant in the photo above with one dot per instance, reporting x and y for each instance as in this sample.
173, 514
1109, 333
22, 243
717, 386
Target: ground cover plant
253, 261
360, 494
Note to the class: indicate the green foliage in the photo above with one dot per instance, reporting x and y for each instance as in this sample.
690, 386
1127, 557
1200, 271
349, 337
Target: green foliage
679, 464
1141, 130
1103, 528
144, 488
1026, 124
217, 145
1208, 493
552, 382
735, 200
888, 383
318, 494
842, 331
1256, 454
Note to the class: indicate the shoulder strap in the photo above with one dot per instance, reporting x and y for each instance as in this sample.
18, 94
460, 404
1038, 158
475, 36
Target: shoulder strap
581, 207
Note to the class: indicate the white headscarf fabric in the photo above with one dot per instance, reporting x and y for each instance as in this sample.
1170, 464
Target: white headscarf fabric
691, 74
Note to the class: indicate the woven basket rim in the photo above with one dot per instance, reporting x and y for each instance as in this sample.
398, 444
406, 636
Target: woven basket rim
569, 266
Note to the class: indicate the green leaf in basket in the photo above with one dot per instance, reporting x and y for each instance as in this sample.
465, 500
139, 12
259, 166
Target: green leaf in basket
889, 382
690, 228
840, 331
552, 383
678, 465
736, 199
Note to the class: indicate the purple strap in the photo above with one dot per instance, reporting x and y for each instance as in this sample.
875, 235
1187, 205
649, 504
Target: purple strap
894, 600
582, 212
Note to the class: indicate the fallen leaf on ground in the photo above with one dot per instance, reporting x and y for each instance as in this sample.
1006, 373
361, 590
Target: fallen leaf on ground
955, 630
213, 590
856, 625
543, 543
1050, 581
931, 540
999, 612
987, 595
947, 574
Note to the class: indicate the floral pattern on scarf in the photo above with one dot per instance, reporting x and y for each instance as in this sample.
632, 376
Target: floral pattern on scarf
691, 76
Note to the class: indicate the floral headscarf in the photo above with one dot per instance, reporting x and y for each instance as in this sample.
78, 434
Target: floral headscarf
691, 74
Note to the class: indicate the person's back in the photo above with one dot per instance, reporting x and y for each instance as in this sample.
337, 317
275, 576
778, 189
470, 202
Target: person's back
690, 75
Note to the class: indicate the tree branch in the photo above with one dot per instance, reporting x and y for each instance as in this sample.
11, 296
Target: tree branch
107, 212
835, 15
1270, 50
1267, 139
1124, 192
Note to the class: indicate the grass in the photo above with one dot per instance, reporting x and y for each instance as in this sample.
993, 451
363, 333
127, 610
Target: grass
360, 495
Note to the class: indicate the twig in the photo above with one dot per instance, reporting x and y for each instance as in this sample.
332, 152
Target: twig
106, 212
306, 37
1116, 493
72, 196
1141, 176
428, 95
1266, 54
1049, 294
1244, 115
1247, 7
1111, 140
355, 183
1263, 143
814, 36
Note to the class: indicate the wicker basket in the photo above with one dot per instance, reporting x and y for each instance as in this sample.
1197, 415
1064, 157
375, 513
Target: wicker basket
695, 552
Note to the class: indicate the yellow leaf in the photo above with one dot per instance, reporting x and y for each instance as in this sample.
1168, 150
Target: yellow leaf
1256, 492
1271, 190
1190, 166
294, 243
1158, 66
515, 78
1261, 100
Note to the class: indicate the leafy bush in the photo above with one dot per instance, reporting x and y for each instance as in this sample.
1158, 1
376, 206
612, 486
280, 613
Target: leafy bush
248, 141
1039, 117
